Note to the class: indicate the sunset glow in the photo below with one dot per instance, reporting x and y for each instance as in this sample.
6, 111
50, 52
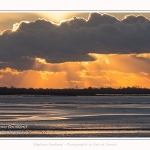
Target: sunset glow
76, 53
103, 72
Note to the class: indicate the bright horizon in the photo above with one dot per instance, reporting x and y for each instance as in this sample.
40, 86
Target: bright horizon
108, 50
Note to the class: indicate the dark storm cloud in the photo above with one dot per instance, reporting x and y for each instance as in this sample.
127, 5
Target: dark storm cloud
73, 39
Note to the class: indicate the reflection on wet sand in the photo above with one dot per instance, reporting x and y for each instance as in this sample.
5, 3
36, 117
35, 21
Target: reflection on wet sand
75, 116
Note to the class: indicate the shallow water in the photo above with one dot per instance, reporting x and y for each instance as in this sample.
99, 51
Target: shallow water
86, 116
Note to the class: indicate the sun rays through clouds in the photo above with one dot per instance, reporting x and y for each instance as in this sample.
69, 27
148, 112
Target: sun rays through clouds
99, 51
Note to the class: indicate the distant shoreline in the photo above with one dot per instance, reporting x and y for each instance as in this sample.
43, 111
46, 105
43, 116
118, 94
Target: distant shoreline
77, 92
76, 95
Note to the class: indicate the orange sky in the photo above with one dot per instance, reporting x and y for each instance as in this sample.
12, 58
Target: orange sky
108, 70
7, 19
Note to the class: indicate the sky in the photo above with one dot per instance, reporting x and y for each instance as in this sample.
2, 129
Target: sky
74, 49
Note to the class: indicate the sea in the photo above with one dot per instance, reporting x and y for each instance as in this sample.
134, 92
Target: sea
74, 116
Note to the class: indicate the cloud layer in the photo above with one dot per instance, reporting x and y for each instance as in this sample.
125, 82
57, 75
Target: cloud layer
118, 70
73, 40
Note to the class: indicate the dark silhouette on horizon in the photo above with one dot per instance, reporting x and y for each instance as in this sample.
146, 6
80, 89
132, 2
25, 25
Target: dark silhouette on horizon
90, 91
